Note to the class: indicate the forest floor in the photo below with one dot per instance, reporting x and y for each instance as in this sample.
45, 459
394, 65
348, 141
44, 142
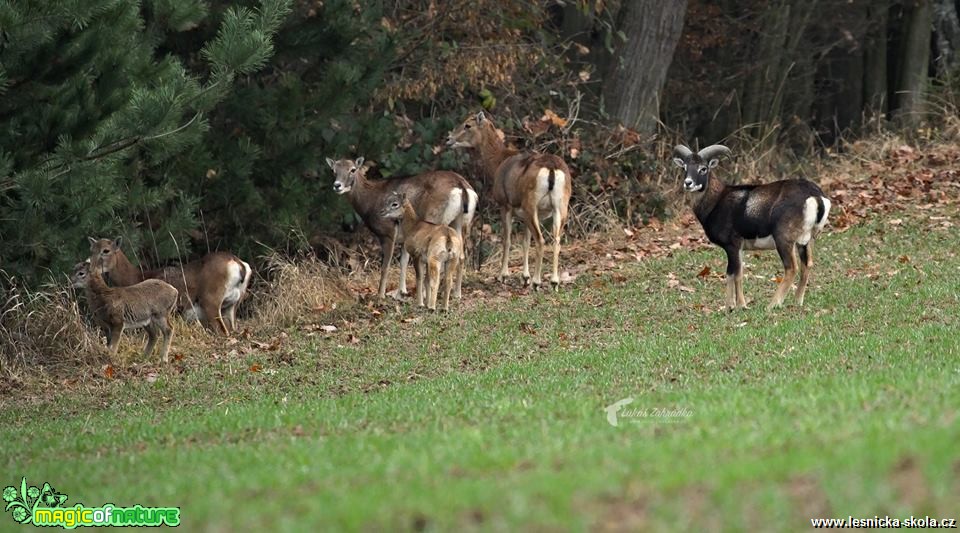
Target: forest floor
498, 415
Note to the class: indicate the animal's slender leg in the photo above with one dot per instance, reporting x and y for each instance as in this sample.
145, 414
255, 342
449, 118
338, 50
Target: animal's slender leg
526, 255
151, 339
787, 250
167, 330
114, 338
452, 263
741, 301
433, 280
734, 267
506, 214
404, 261
386, 256
533, 225
419, 266
806, 263
557, 233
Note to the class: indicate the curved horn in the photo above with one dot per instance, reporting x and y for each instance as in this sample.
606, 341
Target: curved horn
682, 152
713, 151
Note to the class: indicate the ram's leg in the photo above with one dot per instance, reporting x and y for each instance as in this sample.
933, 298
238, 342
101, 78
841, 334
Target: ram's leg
788, 254
806, 263
404, 261
741, 301
734, 269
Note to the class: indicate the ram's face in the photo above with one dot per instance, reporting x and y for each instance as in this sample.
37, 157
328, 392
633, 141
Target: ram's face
696, 172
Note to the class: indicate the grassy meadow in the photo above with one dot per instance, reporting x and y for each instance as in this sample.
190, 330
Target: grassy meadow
493, 418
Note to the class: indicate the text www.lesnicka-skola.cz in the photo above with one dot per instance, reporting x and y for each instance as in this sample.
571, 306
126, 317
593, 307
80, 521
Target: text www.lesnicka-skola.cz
883, 522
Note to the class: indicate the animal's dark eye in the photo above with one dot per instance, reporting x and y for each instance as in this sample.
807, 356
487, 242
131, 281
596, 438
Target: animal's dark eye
466, 126
352, 170
703, 170
105, 251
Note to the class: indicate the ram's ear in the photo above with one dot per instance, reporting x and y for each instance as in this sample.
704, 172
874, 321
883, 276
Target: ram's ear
331, 162
359, 162
117, 243
92, 240
713, 163
481, 117
680, 162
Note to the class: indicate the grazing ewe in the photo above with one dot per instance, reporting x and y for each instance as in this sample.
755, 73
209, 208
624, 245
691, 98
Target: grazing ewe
148, 304
434, 247
785, 215
210, 288
438, 196
528, 184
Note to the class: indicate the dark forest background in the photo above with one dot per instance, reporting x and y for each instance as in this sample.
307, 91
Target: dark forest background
193, 125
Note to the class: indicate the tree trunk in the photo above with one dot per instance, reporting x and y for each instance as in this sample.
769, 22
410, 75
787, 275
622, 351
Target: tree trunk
947, 28
915, 61
875, 60
778, 65
635, 78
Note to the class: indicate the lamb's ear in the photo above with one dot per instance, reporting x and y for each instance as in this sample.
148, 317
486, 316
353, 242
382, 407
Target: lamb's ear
481, 117
331, 162
713, 163
92, 240
359, 162
680, 162
117, 243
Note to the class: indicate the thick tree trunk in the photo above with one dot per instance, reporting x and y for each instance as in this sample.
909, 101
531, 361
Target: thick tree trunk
915, 61
947, 28
635, 77
875, 96
778, 66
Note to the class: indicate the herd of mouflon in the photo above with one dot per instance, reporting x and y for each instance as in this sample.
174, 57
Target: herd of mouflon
431, 215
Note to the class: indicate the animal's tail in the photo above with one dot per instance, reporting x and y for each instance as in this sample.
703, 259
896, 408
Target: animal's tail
823, 209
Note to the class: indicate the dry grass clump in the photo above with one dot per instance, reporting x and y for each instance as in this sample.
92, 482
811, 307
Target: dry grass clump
296, 288
43, 328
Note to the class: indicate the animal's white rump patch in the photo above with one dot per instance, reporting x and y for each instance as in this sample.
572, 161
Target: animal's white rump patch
238, 276
826, 211
550, 199
454, 206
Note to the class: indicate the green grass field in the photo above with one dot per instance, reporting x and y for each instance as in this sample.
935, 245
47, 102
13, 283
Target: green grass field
493, 418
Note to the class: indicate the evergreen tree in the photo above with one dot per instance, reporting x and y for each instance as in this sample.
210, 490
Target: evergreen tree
264, 177
97, 117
